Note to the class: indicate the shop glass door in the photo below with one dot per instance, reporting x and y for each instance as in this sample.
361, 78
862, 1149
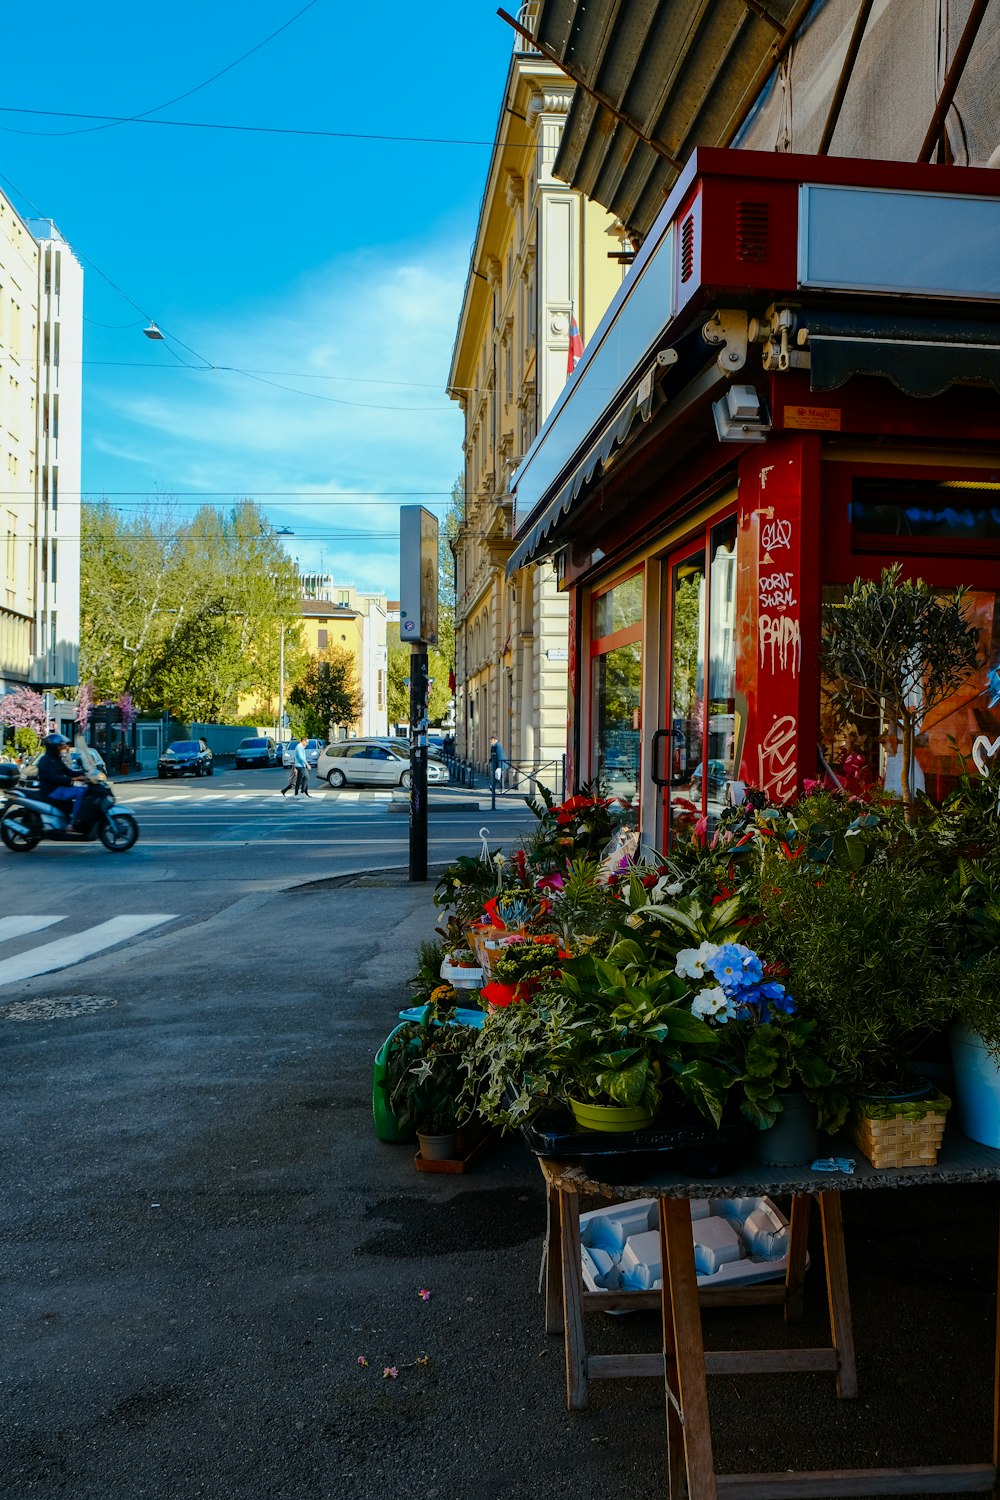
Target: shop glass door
697, 753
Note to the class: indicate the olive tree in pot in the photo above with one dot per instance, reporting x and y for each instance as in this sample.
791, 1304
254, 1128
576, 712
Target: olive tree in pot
897, 649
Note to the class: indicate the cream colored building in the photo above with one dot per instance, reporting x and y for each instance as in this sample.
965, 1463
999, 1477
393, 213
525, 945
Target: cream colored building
41, 328
333, 614
543, 256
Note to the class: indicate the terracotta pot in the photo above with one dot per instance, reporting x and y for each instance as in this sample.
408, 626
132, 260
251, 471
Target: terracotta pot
438, 1147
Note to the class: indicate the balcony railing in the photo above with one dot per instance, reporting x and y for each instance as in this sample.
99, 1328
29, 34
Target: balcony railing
528, 17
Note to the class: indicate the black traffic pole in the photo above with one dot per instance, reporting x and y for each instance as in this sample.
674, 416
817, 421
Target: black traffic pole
418, 761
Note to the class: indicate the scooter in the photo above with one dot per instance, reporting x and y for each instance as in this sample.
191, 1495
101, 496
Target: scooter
27, 817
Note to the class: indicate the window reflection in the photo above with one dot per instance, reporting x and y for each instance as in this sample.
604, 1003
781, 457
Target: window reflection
862, 752
721, 668
687, 690
617, 688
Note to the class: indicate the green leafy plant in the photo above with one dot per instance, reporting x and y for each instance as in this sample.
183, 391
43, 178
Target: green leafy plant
428, 975
426, 1075
592, 1035
579, 827
864, 951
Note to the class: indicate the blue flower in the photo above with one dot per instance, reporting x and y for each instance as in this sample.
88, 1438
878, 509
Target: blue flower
736, 967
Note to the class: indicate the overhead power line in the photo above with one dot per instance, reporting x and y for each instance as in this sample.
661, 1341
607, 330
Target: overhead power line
328, 135
142, 116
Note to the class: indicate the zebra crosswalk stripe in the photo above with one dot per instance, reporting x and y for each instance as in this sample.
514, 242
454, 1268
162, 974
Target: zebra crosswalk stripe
14, 927
62, 952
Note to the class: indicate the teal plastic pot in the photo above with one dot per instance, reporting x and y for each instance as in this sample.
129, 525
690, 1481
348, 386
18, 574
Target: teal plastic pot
977, 1087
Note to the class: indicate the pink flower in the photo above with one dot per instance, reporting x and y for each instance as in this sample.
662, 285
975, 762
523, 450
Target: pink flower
390, 1372
424, 1294
362, 1360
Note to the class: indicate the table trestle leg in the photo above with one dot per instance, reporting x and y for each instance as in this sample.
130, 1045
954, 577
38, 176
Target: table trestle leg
684, 1356
838, 1294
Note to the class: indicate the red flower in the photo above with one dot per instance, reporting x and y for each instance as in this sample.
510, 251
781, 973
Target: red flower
497, 994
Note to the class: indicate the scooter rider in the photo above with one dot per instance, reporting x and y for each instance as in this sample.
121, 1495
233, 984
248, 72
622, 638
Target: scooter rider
56, 782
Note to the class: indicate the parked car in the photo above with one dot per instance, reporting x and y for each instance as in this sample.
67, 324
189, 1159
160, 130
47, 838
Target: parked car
401, 743
29, 768
371, 761
258, 751
313, 748
185, 758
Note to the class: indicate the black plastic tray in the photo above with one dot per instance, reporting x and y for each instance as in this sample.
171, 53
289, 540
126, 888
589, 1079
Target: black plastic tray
690, 1145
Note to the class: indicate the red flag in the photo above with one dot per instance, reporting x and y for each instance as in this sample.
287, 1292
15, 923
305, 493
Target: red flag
575, 350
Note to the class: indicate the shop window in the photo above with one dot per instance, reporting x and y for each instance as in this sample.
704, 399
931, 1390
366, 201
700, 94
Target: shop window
862, 752
616, 686
946, 516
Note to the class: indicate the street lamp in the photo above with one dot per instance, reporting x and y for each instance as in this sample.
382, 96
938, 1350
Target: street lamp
282, 531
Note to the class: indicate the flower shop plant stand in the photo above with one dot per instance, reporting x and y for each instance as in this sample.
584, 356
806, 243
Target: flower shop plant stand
684, 1364
567, 1299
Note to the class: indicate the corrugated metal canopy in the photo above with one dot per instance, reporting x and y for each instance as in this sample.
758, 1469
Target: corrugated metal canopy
683, 73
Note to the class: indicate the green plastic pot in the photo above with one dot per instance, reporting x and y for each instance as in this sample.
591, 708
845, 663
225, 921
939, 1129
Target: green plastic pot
387, 1127
615, 1118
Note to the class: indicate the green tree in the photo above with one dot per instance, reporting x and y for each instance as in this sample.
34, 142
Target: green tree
438, 668
327, 696
183, 614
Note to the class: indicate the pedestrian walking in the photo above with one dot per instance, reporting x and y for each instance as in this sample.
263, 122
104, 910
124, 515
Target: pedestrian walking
301, 761
293, 777
498, 762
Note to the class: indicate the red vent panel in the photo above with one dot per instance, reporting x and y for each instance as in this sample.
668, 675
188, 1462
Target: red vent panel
687, 248
753, 224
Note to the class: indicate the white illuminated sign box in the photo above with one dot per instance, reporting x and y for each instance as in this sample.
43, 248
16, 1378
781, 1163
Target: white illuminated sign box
886, 240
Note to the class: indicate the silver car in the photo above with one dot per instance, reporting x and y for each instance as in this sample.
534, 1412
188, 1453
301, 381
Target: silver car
371, 762
313, 748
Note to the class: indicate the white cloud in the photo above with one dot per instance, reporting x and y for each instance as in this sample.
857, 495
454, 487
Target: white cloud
387, 325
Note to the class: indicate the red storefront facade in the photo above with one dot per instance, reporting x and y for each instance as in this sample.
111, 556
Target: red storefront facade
798, 385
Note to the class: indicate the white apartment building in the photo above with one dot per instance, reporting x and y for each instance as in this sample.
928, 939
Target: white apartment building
41, 346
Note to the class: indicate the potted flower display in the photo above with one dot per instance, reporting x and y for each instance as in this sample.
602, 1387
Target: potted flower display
425, 1083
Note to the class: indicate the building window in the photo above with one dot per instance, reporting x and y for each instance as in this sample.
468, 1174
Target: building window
321, 639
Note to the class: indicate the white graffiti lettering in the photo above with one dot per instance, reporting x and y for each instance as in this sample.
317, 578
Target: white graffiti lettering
781, 635
983, 750
776, 534
783, 600
772, 581
776, 760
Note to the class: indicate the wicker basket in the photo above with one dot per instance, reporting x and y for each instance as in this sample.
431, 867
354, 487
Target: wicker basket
900, 1135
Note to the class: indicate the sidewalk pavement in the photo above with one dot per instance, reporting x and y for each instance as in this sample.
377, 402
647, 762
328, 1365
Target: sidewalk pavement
209, 1261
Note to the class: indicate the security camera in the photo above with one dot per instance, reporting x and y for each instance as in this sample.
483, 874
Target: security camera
666, 358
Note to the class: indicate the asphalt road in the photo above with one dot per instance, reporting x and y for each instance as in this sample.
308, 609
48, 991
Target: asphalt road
207, 1260
207, 844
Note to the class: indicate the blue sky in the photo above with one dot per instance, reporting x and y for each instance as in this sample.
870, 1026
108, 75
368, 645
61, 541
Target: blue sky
330, 270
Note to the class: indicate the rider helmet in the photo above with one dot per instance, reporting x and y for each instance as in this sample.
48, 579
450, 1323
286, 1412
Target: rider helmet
55, 741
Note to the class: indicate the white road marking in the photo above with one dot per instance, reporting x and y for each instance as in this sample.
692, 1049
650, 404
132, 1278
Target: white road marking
72, 950
13, 927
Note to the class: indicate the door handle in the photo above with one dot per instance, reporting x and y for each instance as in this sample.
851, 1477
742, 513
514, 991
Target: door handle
654, 765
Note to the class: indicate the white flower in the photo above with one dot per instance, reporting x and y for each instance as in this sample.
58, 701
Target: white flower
666, 887
691, 962
498, 859
711, 1003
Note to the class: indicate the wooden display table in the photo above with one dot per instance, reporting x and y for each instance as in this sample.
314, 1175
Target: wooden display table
684, 1363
